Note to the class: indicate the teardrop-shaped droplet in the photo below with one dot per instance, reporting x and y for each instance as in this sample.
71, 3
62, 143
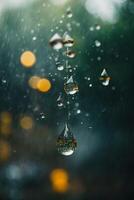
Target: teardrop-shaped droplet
70, 80
66, 143
56, 41
104, 78
69, 13
70, 54
59, 66
70, 86
68, 41
60, 101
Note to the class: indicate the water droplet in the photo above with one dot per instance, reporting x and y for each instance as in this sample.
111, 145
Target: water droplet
69, 13
104, 78
91, 28
59, 66
98, 27
71, 87
97, 43
34, 38
66, 144
78, 111
70, 54
60, 101
98, 58
68, 41
56, 41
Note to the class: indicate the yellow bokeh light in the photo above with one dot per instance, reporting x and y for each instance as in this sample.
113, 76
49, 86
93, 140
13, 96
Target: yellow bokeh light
28, 59
33, 81
4, 150
26, 122
6, 118
5, 129
44, 85
60, 180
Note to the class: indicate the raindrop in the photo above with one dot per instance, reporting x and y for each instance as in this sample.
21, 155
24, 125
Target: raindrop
78, 111
60, 101
66, 143
98, 27
71, 87
56, 41
68, 41
104, 78
69, 13
91, 28
70, 54
98, 58
97, 43
34, 38
59, 66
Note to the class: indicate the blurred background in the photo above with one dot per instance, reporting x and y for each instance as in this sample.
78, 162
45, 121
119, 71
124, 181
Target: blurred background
101, 115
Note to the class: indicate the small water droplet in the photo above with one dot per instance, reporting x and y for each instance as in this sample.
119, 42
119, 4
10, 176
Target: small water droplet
70, 54
60, 101
34, 38
91, 28
97, 43
68, 41
69, 13
78, 111
98, 27
104, 78
56, 41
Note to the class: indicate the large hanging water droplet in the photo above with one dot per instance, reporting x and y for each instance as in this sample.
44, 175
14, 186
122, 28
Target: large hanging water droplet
71, 87
56, 41
104, 78
66, 143
68, 41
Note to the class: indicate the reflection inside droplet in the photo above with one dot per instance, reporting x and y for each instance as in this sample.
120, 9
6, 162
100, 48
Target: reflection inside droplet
104, 78
68, 41
66, 144
71, 87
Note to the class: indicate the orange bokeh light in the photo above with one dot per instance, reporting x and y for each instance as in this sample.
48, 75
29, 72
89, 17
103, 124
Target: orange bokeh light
44, 85
5, 118
26, 122
33, 81
28, 59
4, 150
59, 179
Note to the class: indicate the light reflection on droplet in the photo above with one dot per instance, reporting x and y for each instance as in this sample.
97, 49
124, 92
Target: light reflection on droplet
70, 54
104, 78
97, 43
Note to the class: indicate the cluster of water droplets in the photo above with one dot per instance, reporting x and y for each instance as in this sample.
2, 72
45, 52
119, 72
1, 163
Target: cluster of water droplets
66, 144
